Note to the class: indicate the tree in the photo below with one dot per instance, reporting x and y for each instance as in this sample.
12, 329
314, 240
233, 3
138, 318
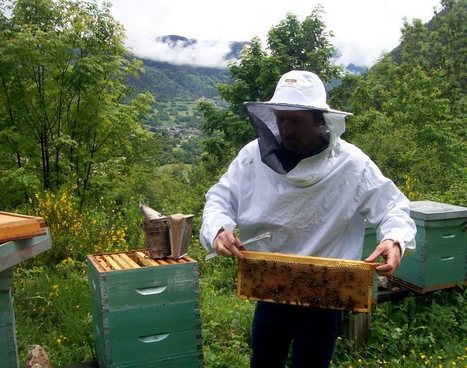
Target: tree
291, 45
63, 89
304, 46
409, 109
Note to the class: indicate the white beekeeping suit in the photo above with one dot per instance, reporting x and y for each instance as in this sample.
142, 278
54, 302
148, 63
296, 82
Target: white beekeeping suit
318, 207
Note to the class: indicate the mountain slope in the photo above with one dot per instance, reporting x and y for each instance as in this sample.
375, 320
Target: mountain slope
168, 81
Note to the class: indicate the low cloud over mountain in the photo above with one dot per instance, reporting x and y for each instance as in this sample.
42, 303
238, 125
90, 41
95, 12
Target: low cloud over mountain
180, 50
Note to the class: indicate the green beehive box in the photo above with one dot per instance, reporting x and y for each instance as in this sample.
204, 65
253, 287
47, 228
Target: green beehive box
6, 305
17, 244
369, 241
145, 311
369, 245
7, 315
8, 353
439, 260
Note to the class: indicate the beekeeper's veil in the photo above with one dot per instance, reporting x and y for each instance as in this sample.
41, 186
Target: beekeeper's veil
296, 90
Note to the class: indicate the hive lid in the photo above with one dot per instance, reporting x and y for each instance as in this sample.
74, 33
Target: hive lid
15, 226
302, 280
429, 210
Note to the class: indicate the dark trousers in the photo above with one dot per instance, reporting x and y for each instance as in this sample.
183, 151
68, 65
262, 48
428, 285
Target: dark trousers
312, 332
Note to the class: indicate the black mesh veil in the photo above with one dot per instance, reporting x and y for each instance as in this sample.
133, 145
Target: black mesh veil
268, 144
263, 119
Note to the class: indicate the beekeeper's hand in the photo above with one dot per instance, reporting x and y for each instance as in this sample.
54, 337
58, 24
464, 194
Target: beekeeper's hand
391, 252
227, 244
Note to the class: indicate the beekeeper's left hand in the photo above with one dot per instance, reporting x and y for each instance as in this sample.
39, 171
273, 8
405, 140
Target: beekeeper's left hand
390, 250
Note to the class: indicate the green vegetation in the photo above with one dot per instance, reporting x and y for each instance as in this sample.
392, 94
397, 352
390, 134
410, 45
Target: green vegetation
410, 108
81, 149
168, 82
63, 82
256, 75
52, 308
177, 121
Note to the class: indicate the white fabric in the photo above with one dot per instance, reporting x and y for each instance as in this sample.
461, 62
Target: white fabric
318, 208
300, 89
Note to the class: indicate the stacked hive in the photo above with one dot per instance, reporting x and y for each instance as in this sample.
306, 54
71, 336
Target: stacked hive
8, 353
440, 258
145, 311
21, 237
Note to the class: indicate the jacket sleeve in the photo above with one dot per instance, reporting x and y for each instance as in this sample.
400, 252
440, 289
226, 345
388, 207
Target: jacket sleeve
386, 208
221, 205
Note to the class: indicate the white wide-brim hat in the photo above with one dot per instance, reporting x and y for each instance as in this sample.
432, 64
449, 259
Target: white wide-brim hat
296, 90
299, 90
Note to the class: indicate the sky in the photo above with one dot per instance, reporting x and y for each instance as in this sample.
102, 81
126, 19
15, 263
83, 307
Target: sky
363, 29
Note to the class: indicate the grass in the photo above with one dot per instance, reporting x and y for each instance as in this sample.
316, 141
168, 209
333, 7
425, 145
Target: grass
52, 310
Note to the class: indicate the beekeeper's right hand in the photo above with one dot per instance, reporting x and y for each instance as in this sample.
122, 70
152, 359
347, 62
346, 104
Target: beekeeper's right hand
227, 244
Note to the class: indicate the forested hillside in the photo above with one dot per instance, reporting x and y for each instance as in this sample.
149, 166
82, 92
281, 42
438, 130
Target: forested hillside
176, 90
168, 81
81, 148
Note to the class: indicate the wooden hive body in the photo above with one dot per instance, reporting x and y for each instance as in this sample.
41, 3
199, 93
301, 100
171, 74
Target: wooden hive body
145, 311
320, 282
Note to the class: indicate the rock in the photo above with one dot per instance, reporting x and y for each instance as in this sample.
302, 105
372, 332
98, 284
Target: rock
37, 358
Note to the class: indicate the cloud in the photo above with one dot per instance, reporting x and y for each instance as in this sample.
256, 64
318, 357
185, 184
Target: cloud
200, 53
363, 29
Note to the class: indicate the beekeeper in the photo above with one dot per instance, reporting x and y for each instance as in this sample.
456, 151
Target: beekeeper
313, 191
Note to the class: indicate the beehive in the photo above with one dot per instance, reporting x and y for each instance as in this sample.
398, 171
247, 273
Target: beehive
320, 282
8, 351
439, 260
369, 241
21, 245
145, 311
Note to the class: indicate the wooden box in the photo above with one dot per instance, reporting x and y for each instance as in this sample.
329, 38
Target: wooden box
14, 226
439, 260
145, 311
321, 282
